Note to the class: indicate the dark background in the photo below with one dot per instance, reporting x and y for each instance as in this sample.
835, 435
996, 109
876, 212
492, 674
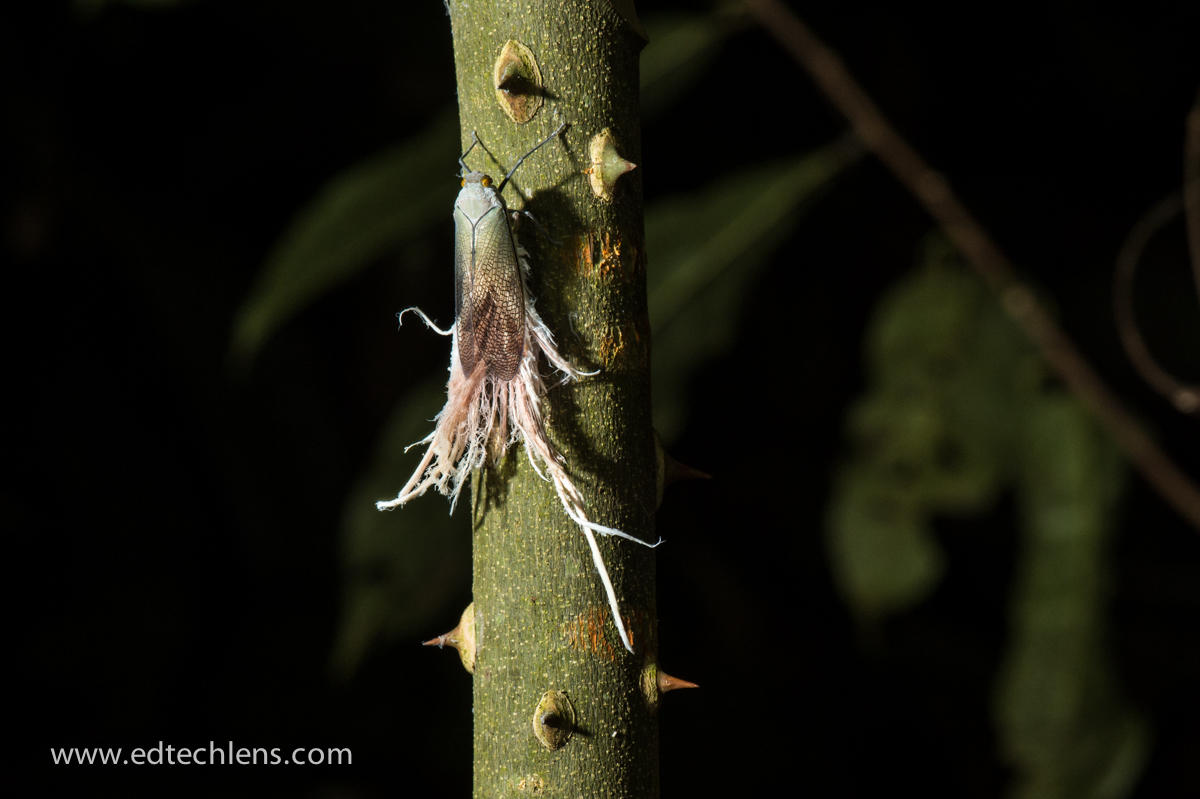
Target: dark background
174, 523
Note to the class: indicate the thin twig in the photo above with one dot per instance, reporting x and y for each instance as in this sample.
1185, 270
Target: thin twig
1191, 187
932, 190
1185, 398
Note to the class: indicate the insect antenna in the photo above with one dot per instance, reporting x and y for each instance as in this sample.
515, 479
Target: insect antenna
521, 160
461, 159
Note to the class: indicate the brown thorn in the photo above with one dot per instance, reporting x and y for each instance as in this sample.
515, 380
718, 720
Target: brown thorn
442, 640
675, 471
668, 683
507, 74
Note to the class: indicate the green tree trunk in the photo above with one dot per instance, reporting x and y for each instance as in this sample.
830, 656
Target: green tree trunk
550, 670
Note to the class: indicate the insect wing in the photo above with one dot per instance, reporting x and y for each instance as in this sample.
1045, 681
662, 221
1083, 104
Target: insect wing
489, 298
464, 279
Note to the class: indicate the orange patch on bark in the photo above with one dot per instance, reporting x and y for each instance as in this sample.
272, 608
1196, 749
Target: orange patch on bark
590, 631
602, 258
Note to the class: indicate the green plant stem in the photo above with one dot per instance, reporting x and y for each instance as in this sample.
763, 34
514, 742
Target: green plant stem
542, 619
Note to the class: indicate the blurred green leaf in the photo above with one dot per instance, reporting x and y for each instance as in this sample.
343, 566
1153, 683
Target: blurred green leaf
950, 378
1062, 720
360, 215
401, 567
696, 283
958, 409
680, 47
884, 553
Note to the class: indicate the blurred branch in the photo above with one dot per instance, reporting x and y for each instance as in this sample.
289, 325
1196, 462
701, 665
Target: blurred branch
935, 194
1185, 398
1191, 187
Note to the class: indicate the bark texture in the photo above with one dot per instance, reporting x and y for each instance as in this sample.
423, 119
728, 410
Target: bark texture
550, 670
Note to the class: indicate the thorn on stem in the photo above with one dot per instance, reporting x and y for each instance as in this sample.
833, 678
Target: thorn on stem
553, 720
671, 470
675, 471
461, 638
668, 683
607, 165
656, 682
518, 82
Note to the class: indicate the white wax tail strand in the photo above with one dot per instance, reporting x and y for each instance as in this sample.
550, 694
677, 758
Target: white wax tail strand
428, 322
602, 570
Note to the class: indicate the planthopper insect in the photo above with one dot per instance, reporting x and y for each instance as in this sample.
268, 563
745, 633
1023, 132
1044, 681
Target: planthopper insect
494, 395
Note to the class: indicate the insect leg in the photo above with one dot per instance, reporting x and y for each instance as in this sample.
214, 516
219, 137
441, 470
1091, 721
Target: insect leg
515, 216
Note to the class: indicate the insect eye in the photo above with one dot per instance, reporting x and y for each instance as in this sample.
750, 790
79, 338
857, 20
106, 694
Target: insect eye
462, 183
486, 181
